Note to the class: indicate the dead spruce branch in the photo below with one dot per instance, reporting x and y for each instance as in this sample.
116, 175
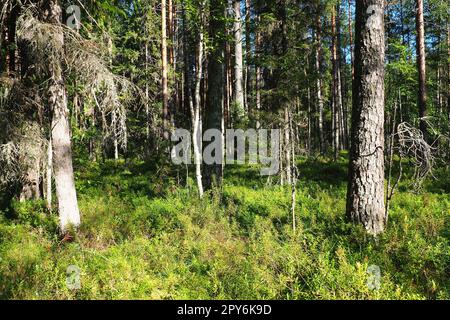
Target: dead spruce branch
83, 58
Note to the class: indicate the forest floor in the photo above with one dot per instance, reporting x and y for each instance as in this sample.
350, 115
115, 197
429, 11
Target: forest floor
144, 236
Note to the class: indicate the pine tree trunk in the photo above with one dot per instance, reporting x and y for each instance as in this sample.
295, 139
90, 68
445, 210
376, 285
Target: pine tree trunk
350, 37
170, 30
365, 197
215, 95
420, 47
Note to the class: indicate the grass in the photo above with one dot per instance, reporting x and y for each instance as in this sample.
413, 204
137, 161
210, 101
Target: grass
146, 235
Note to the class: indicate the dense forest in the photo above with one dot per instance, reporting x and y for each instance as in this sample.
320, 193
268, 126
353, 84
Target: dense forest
224, 149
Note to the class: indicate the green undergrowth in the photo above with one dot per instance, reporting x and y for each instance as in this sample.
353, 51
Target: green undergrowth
145, 234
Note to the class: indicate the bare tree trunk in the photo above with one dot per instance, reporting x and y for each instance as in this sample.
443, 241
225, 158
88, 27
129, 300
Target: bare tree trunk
448, 81
319, 84
287, 145
61, 140
113, 115
115, 142
187, 63
350, 37
310, 122
196, 114
343, 104
281, 158
170, 30
439, 85
214, 103
171, 47
238, 63
248, 54
147, 96
337, 90
294, 175
165, 88
48, 179
391, 189
62, 159
228, 85
365, 196
420, 47
258, 80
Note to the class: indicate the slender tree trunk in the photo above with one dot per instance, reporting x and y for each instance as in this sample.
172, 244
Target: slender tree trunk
238, 62
350, 37
115, 142
187, 53
341, 93
420, 47
390, 190
147, 97
228, 85
258, 71
281, 157
61, 137
438, 86
214, 102
310, 121
319, 84
248, 54
48, 179
448, 81
113, 114
196, 114
170, 22
287, 145
293, 174
171, 59
337, 91
365, 197
165, 88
